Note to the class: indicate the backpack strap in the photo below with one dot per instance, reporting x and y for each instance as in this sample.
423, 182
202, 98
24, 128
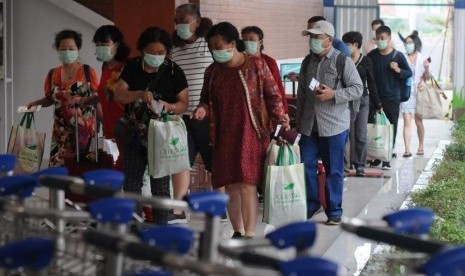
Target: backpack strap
303, 67
340, 66
394, 55
50, 79
86, 69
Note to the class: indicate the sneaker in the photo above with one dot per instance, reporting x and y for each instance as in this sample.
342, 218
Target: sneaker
237, 235
386, 166
375, 163
360, 171
333, 221
177, 218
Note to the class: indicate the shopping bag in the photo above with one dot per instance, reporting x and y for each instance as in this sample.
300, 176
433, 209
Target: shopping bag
168, 152
273, 150
380, 139
27, 145
285, 191
429, 103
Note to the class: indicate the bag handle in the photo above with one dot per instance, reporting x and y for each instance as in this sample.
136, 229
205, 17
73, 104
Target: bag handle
380, 119
24, 119
435, 83
28, 120
280, 158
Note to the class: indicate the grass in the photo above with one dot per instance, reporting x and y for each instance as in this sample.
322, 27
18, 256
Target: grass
445, 194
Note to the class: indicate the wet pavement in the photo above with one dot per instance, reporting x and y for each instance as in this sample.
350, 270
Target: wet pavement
370, 198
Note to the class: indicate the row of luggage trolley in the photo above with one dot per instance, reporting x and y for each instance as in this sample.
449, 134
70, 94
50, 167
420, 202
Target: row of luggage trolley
45, 237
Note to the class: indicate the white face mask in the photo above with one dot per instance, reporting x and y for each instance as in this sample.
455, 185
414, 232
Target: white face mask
382, 44
184, 30
251, 47
409, 48
154, 60
103, 53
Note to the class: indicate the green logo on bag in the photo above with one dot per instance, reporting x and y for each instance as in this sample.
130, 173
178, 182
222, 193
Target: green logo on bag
289, 186
378, 138
174, 141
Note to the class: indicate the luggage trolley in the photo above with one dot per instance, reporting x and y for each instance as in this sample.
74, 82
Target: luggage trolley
408, 229
60, 254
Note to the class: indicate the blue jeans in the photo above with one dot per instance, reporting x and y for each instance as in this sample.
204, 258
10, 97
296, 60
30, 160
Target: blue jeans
331, 150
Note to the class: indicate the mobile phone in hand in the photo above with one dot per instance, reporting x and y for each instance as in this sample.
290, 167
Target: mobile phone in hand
429, 59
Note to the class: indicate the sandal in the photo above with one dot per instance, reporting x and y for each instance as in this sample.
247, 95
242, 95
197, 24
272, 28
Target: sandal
407, 154
420, 152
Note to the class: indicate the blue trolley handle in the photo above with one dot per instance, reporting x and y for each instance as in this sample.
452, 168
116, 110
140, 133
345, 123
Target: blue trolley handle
137, 250
75, 185
381, 234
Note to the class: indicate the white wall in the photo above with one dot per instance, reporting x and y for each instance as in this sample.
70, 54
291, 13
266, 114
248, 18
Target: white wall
35, 23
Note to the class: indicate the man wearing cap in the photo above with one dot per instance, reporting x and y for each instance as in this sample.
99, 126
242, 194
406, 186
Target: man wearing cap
323, 117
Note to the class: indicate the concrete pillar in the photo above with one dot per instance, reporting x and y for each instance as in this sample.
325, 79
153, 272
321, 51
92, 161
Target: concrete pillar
459, 57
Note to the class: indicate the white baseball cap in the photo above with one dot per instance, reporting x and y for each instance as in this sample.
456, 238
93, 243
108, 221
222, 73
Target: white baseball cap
320, 27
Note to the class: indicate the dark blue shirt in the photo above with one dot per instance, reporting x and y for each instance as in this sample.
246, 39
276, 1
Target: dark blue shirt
388, 82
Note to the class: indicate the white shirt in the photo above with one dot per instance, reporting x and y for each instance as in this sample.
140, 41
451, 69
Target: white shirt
193, 59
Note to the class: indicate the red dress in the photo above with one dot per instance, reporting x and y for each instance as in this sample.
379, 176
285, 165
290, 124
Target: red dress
238, 153
111, 110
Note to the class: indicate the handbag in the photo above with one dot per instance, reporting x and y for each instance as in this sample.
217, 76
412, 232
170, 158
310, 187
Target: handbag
126, 131
285, 190
429, 103
380, 138
27, 145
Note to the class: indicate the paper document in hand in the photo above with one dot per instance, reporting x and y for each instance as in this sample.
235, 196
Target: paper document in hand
24, 109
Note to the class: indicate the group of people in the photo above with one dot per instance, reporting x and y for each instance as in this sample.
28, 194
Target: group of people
230, 96
349, 92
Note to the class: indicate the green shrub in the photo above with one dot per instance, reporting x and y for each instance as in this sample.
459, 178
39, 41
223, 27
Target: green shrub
445, 194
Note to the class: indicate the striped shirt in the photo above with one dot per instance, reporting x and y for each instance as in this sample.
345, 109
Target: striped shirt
332, 116
193, 59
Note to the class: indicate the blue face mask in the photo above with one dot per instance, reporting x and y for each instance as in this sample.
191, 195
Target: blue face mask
184, 30
68, 56
251, 47
222, 56
154, 60
103, 53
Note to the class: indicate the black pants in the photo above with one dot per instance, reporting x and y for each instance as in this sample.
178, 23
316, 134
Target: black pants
134, 163
391, 109
198, 140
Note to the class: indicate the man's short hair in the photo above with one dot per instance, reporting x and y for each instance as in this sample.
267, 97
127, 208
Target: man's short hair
377, 22
315, 19
352, 38
384, 29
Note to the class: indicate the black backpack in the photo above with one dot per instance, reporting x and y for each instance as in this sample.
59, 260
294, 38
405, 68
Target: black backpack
404, 85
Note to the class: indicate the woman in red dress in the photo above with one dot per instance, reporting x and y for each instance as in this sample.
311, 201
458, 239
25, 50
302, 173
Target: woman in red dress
113, 51
240, 96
